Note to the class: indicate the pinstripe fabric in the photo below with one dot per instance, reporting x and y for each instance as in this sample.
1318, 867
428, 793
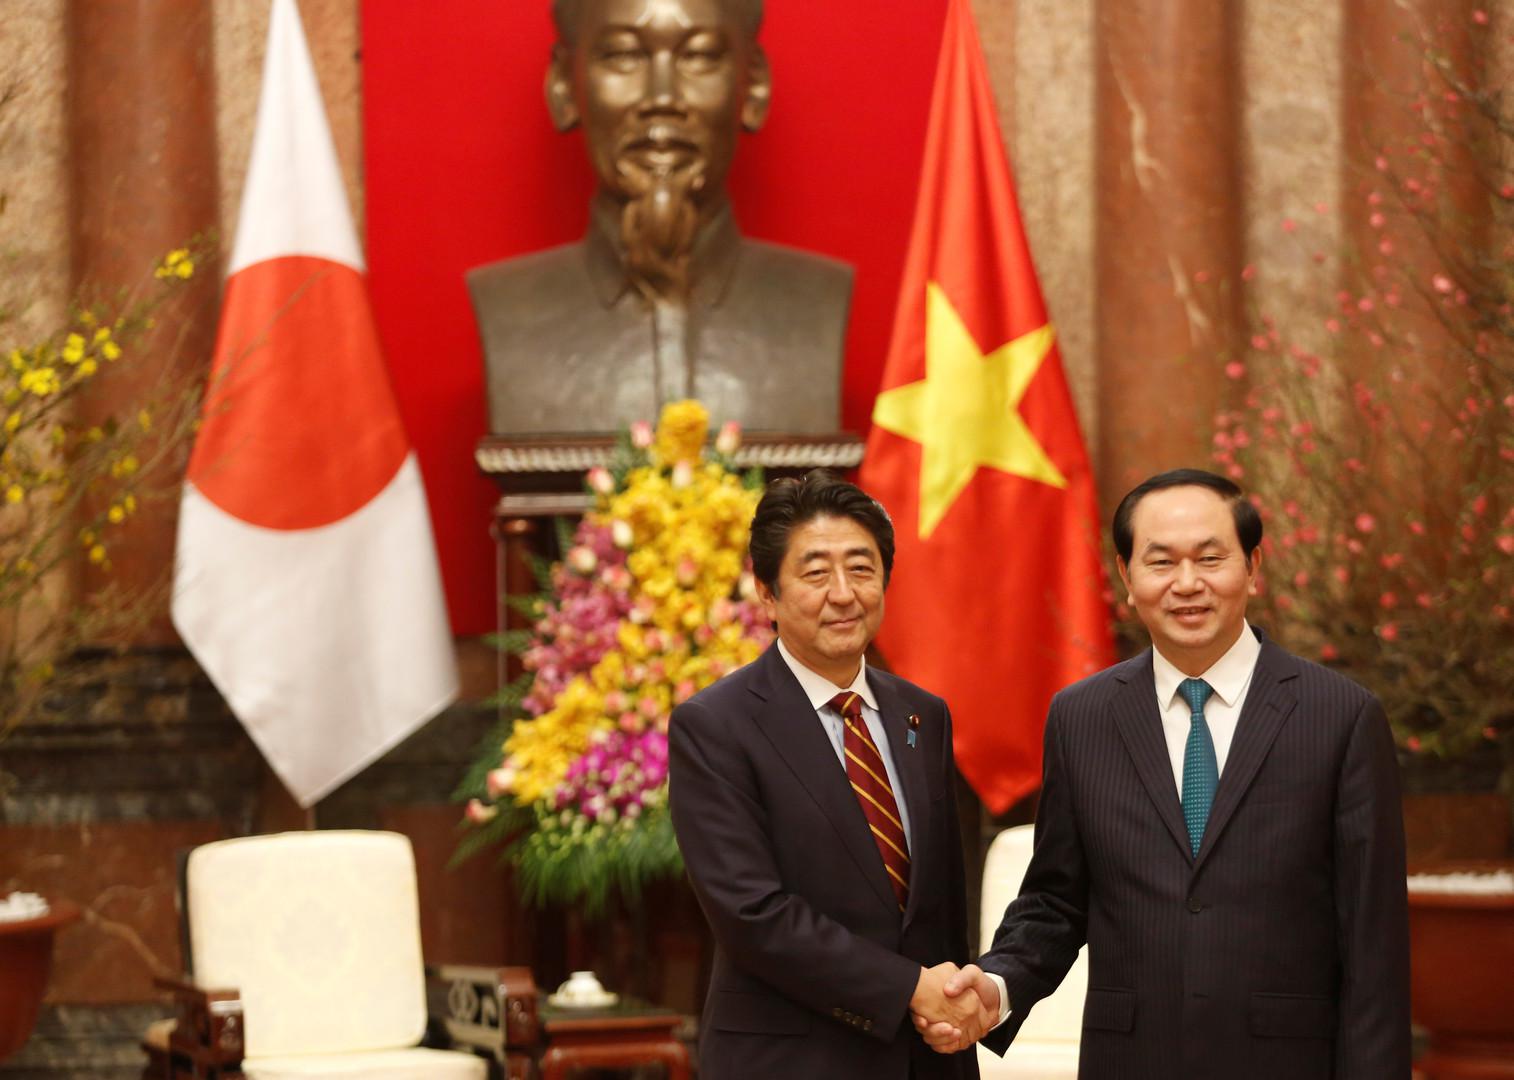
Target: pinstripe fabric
868, 776
1280, 948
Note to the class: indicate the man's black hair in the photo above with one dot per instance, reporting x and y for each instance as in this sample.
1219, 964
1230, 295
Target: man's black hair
789, 503
1248, 523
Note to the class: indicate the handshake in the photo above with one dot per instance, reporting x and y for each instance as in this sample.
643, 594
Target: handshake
954, 1007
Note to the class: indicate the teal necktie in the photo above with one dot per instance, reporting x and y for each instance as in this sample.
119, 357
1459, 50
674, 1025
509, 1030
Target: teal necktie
1201, 770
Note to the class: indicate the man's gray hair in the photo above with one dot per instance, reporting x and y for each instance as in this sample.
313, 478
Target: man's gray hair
565, 14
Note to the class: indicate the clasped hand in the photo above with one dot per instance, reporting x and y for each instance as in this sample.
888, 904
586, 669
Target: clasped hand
953, 1007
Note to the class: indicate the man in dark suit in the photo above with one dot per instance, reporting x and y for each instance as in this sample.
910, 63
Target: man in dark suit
813, 800
1220, 822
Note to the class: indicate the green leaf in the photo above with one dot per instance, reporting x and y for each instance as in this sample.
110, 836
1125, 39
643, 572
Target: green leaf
566, 531
513, 642
510, 696
541, 571
487, 757
529, 606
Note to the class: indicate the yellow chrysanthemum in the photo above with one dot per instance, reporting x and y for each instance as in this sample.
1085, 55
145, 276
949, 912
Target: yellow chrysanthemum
686, 546
681, 432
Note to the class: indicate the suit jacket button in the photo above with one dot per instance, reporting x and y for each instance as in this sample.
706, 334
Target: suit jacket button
1194, 905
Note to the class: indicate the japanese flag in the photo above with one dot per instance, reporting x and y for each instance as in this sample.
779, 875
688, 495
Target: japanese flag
306, 581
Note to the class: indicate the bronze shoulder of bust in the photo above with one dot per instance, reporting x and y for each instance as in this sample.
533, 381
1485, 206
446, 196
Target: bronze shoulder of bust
765, 350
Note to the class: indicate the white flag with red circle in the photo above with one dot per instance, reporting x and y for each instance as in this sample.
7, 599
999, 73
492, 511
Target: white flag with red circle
306, 580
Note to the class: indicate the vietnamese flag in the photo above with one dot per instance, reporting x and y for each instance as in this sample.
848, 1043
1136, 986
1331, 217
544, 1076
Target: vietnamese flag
997, 596
305, 579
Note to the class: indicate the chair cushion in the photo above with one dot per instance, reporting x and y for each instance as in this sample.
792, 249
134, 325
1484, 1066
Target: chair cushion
414, 1064
320, 933
1031, 1061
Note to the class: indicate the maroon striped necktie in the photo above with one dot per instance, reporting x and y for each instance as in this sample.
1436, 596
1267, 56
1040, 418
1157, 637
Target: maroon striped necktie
869, 779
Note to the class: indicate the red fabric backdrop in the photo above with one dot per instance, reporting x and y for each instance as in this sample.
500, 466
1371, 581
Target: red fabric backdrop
463, 167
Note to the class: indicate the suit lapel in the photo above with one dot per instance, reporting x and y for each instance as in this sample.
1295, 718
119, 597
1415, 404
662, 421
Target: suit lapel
1140, 725
909, 765
1270, 700
789, 722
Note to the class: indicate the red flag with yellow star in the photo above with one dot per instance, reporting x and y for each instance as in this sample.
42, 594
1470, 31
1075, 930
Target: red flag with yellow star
997, 596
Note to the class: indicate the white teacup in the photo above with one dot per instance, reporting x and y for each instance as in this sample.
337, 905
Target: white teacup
581, 986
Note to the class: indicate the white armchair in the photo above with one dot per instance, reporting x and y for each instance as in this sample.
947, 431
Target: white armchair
1046, 1047
314, 940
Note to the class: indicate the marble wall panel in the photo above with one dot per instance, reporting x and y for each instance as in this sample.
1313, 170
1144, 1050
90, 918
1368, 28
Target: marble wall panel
34, 184
122, 874
1039, 58
1291, 110
34, 239
1051, 148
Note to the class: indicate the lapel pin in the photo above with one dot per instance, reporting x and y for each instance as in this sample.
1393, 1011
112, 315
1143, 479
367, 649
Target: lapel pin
913, 734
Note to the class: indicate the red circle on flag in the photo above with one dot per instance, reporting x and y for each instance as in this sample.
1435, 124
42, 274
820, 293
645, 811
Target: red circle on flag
300, 426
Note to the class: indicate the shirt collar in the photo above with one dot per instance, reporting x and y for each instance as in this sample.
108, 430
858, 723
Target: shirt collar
713, 263
820, 690
1228, 675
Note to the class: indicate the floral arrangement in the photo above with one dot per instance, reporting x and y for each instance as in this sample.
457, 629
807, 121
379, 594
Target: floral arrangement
1379, 445
68, 484
652, 601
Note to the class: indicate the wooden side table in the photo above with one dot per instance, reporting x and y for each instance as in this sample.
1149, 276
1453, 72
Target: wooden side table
622, 1037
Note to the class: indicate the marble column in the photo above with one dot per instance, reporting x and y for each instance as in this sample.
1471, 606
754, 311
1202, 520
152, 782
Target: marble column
141, 120
1169, 232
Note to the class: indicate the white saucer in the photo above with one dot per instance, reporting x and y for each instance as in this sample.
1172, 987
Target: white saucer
602, 1000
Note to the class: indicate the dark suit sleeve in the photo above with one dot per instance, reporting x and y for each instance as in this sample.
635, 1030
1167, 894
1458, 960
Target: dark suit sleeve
1372, 1041
1045, 926
774, 935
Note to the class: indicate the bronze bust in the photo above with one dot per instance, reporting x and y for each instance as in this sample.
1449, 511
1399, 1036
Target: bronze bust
664, 298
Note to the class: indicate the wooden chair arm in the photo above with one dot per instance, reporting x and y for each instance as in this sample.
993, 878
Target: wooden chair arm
491, 1010
207, 1037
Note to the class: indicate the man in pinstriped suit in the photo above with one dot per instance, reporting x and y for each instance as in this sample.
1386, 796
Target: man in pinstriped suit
1220, 822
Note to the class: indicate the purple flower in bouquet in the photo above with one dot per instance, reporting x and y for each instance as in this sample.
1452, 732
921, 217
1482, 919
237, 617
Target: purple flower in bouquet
578, 627
618, 777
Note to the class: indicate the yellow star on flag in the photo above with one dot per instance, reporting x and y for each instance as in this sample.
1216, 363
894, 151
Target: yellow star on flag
965, 412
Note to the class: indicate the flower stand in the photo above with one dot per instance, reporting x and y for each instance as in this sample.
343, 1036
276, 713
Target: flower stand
26, 957
1462, 981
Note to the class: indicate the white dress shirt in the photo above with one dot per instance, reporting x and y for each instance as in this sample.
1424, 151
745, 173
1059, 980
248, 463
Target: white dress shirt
820, 691
1230, 676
